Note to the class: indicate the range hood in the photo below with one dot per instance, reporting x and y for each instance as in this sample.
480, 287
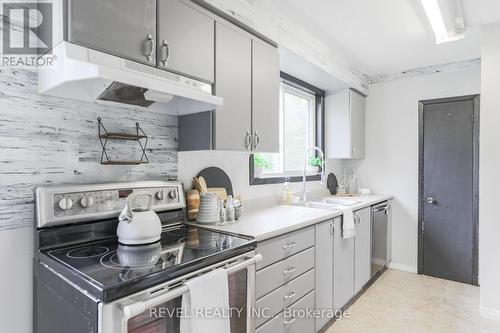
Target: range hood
92, 76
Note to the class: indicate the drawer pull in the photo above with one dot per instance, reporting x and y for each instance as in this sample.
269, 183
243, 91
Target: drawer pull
292, 294
289, 322
289, 246
289, 271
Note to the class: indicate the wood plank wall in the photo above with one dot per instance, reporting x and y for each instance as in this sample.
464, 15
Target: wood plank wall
46, 140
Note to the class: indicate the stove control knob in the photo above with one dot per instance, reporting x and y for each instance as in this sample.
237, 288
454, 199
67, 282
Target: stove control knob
160, 195
86, 201
172, 194
65, 203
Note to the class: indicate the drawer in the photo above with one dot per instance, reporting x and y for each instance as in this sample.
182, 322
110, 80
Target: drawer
280, 324
284, 296
283, 271
281, 247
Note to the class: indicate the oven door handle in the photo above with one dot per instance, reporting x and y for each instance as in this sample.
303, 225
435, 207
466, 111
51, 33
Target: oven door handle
135, 309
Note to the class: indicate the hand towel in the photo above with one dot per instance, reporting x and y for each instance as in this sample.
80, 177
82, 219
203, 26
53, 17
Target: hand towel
205, 307
348, 229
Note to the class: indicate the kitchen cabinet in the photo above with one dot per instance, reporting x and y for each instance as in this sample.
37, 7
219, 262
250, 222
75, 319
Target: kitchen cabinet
324, 269
125, 28
186, 40
265, 97
233, 72
345, 125
343, 267
362, 249
284, 278
247, 77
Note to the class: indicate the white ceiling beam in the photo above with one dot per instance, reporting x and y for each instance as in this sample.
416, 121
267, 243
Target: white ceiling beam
260, 16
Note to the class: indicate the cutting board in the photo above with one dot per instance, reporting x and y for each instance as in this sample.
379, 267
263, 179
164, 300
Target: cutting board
216, 177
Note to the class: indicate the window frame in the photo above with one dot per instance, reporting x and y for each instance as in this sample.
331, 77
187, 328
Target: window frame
319, 118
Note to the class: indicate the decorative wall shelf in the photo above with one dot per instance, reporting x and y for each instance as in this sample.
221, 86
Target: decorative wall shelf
140, 136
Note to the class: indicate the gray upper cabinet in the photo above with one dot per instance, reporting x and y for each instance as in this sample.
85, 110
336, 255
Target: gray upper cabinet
265, 97
324, 270
362, 249
345, 125
233, 73
343, 267
247, 77
185, 40
126, 28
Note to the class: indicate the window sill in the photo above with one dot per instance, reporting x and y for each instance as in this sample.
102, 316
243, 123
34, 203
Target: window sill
280, 180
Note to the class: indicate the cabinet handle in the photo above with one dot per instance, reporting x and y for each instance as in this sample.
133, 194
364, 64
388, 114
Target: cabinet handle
288, 322
332, 229
165, 53
353, 151
289, 246
256, 140
151, 47
292, 294
248, 141
289, 271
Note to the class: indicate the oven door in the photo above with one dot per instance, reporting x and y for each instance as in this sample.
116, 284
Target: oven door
158, 309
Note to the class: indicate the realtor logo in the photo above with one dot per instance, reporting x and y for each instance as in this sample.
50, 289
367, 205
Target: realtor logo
27, 28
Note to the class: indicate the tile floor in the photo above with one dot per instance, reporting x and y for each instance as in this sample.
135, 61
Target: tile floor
400, 302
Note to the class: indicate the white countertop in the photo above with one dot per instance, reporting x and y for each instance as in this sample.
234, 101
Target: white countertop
275, 221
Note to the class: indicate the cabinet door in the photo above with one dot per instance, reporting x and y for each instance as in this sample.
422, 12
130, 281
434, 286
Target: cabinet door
185, 40
357, 106
233, 82
338, 122
362, 249
265, 97
324, 270
343, 267
126, 28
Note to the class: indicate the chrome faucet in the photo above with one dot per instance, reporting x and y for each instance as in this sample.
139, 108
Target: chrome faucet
304, 175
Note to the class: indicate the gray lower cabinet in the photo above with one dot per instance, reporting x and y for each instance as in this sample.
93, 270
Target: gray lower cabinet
186, 40
285, 280
233, 72
343, 267
324, 269
289, 320
284, 271
265, 101
286, 295
126, 28
362, 249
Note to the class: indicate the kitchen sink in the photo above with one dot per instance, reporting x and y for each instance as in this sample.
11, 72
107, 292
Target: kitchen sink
321, 205
341, 202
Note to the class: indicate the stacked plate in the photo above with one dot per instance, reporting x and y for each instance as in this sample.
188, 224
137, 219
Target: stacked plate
209, 210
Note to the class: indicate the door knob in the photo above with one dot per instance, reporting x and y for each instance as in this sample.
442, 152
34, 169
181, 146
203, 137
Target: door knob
430, 200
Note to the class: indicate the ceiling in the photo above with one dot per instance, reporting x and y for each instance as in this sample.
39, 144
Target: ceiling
388, 36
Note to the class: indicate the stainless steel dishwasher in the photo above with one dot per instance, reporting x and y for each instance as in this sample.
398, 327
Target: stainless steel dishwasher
380, 237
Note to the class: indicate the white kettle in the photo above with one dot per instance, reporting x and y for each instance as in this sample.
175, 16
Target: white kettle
138, 225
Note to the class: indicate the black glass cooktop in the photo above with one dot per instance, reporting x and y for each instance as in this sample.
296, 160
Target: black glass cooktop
181, 250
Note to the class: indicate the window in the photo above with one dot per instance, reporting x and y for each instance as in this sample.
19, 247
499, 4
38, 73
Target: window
301, 119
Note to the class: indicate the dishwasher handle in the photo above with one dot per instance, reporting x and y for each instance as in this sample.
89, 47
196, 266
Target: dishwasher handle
381, 209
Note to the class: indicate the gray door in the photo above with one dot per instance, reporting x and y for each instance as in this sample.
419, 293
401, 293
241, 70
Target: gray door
186, 40
126, 28
448, 189
233, 82
265, 97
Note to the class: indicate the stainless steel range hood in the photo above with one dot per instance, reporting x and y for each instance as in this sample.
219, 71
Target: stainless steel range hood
88, 75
